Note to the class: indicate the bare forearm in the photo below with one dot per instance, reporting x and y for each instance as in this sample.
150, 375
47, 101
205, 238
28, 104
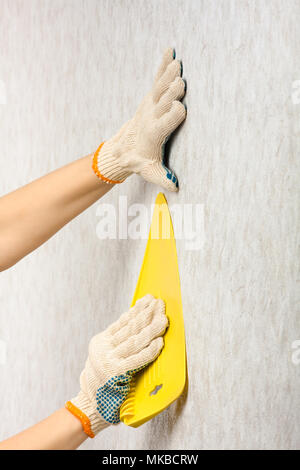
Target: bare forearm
32, 214
60, 431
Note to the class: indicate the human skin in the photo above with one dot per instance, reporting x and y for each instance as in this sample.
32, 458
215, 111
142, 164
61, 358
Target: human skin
33, 213
30, 216
129, 344
60, 431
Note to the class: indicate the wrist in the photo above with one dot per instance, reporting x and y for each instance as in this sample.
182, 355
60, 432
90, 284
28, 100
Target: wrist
107, 163
82, 408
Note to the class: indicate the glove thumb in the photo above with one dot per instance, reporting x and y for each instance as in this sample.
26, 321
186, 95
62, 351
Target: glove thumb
158, 173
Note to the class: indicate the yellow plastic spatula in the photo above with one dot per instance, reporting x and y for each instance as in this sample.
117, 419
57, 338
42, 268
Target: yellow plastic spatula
163, 381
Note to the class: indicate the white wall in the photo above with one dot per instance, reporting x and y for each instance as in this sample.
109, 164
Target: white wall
74, 71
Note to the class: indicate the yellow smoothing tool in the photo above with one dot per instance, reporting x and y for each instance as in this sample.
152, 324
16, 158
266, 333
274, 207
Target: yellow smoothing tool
163, 381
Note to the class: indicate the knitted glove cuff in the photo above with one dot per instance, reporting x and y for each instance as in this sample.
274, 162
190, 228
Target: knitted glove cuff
107, 167
81, 407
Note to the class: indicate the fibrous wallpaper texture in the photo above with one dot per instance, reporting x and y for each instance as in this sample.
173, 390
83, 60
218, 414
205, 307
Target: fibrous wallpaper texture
72, 73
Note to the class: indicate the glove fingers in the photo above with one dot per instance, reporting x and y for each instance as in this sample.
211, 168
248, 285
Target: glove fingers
136, 324
159, 174
140, 337
171, 120
176, 91
173, 70
144, 302
144, 357
127, 316
168, 57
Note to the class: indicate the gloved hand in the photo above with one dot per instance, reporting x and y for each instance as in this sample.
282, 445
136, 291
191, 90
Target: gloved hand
115, 355
138, 146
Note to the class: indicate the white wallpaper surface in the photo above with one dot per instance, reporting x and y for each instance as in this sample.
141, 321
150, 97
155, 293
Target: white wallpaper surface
72, 72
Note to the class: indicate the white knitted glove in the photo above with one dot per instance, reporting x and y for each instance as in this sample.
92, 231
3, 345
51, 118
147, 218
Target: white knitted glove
115, 355
139, 146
